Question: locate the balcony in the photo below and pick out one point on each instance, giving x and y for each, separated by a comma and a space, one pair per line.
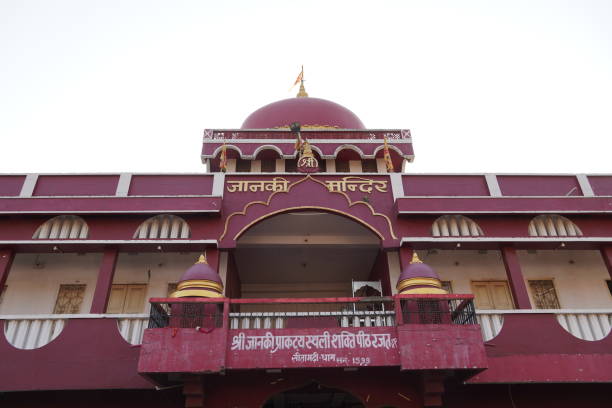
422, 333
211, 335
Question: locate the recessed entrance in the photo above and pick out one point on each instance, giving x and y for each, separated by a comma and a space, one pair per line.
314, 395
305, 254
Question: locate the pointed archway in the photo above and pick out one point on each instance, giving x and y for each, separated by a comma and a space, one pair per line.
314, 395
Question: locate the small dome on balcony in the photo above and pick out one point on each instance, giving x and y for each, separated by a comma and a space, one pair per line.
200, 280
419, 278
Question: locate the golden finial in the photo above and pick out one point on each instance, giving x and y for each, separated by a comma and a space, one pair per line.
302, 92
415, 258
202, 259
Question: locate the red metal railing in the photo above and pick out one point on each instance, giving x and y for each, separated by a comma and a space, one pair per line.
290, 313
228, 134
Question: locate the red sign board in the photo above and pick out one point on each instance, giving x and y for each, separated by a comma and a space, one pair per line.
342, 347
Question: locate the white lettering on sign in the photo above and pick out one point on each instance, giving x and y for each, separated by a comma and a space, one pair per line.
344, 340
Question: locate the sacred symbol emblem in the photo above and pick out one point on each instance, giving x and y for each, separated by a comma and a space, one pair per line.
307, 164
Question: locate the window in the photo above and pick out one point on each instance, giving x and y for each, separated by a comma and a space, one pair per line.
544, 294
553, 226
62, 227
243, 166
163, 227
127, 298
369, 166
291, 165
342, 166
268, 165
492, 295
69, 299
322, 165
455, 226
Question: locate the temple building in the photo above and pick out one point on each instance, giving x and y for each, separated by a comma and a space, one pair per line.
306, 266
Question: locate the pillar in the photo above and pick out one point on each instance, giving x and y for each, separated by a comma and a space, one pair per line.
515, 278
606, 253
433, 388
105, 280
193, 391
6, 260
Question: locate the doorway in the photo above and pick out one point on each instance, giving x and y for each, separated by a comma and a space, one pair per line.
314, 395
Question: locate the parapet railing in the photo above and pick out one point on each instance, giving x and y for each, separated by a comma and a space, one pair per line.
29, 332
290, 313
435, 309
585, 324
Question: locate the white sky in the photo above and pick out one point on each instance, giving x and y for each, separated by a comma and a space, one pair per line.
484, 86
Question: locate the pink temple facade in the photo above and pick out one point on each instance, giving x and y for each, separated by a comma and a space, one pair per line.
331, 276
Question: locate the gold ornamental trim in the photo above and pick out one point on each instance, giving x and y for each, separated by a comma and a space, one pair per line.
308, 177
404, 283
199, 284
424, 291
196, 292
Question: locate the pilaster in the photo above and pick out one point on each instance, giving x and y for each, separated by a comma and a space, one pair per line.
105, 280
6, 260
515, 278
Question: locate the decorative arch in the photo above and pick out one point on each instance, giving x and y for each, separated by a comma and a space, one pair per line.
314, 388
62, 227
306, 208
552, 225
455, 226
164, 226
268, 147
228, 147
304, 196
391, 148
349, 147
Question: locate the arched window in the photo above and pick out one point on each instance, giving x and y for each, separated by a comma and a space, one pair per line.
164, 226
455, 226
553, 226
62, 227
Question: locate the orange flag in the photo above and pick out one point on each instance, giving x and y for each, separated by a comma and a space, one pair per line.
299, 78
387, 157
223, 158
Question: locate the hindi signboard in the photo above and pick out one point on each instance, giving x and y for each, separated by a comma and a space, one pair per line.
346, 347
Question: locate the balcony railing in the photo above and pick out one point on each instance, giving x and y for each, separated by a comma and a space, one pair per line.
437, 309
587, 324
34, 331
312, 312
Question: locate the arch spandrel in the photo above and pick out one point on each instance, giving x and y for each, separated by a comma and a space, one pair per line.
367, 201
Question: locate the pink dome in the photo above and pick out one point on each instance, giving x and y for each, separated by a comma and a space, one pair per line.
306, 111
200, 271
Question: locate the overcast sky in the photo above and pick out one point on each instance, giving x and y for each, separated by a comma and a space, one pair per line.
484, 86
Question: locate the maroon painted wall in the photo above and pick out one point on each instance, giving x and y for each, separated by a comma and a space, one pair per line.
380, 271
76, 185
527, 396
539, 185
87, 354
445, 185
171, 185
10, 186
601, 185
168, 398
224, 391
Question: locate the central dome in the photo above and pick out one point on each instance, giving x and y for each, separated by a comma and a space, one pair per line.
308, 112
